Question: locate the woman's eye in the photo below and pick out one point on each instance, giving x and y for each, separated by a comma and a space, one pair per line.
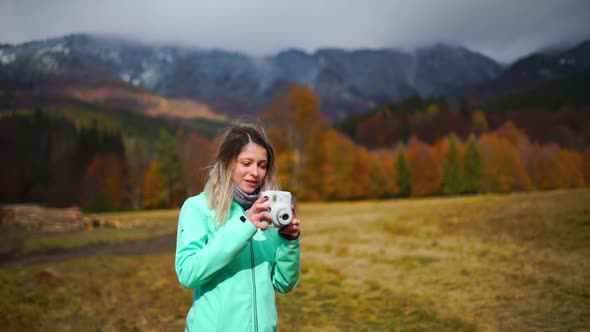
262, 166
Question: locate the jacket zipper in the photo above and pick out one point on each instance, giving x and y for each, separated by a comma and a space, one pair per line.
253, 286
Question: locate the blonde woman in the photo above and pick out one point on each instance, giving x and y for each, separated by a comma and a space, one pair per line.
225, 249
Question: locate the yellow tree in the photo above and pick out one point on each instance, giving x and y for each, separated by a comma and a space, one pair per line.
383, 181
286, 169
331, 177
153, 189
479, 122
316, 167
293, 119
342, 152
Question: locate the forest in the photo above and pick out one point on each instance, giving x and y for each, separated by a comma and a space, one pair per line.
77, 156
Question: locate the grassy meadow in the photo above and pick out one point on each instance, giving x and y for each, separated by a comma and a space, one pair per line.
480, 263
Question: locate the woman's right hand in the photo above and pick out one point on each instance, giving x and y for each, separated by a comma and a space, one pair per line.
258, 214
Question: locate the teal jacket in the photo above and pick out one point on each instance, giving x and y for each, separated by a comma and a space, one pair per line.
234, 269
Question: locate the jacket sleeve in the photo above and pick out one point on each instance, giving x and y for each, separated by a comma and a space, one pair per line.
287, 268
199, 256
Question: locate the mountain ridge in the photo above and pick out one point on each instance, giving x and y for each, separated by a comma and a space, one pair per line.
234, 83
217, 77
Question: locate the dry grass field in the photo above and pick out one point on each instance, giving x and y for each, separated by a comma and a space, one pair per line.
481, 263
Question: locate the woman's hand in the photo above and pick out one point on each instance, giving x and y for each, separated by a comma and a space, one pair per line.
258, 214
292, 230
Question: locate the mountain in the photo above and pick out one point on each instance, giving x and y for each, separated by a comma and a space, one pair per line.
537, 69
235, 83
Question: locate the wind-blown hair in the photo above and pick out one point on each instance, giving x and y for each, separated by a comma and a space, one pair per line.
219, 186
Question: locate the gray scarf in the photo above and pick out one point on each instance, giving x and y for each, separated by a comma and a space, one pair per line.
244, 199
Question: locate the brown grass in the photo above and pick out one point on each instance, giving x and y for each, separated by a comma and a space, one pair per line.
516, 262
484, 263
136, 225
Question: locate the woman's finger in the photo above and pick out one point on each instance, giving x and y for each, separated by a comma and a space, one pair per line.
257, 209
261, 200
263, 216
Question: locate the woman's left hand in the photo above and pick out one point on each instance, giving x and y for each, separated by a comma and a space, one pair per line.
292, 229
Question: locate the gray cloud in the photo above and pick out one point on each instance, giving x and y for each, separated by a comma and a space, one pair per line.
503, 29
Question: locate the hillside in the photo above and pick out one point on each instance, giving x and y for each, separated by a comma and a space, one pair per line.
547, 96
536, 70
234, 83
557, 112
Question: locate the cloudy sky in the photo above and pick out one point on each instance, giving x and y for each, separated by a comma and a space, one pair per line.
502, 29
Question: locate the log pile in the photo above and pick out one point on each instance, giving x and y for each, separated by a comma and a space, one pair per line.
38, 218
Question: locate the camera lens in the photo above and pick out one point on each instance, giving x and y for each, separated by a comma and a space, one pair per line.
285, 216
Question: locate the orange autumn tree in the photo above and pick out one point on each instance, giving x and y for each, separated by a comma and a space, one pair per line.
341, 151
153, 189
360, 180
502, 168
425, 172
572, 168
295, 127
556, 168
586, 166
196, 154
104, 187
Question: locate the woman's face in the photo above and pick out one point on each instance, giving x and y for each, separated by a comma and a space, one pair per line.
251, 167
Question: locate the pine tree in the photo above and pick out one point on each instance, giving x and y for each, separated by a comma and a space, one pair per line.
404, 177
452, 182
473, 166
170, 170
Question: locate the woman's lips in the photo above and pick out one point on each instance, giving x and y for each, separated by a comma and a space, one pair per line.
252, 183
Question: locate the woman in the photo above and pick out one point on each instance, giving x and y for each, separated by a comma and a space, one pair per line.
225, 249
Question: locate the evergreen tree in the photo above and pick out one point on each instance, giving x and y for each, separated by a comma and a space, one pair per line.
452, 182
378, 181
170, 170
473, 166
404, 177
464, 108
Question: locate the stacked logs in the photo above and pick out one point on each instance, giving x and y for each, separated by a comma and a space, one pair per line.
38, 218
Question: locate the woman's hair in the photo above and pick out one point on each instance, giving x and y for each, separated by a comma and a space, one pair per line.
219, 186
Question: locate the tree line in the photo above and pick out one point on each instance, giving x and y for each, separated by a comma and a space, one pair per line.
318, 162
58, 163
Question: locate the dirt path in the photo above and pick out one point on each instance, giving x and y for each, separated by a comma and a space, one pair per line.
153, 245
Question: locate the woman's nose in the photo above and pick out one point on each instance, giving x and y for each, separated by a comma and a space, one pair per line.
254, 170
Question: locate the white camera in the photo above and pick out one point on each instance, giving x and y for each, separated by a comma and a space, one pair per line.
280, 207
